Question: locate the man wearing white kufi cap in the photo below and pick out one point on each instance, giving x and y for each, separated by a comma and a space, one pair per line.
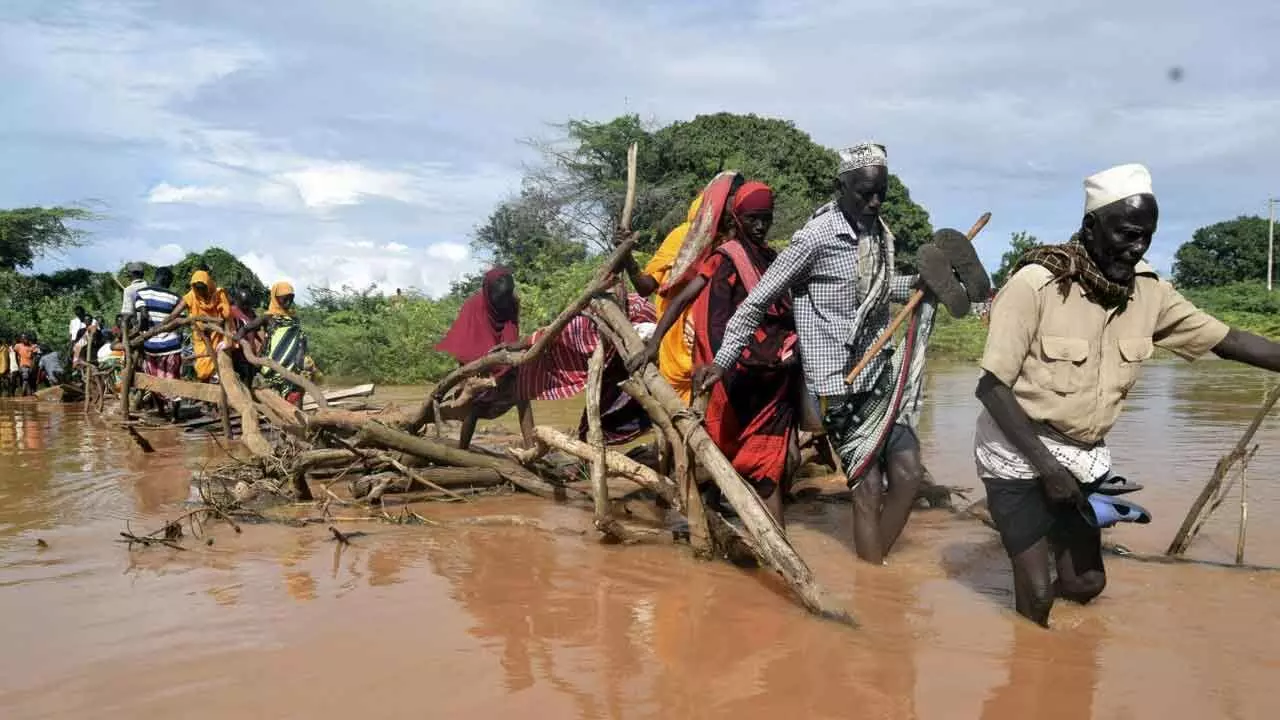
1068, 335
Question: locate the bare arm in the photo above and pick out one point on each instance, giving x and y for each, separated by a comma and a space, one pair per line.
670, 314
1250, 349
250, 326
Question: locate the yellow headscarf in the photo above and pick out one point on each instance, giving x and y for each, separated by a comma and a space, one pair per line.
275, 308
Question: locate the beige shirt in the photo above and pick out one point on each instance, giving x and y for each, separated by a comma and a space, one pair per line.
1071, 362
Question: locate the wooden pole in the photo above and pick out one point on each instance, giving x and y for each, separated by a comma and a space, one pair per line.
916, 298
772, 543
1244, 510
1182, 540
595, 435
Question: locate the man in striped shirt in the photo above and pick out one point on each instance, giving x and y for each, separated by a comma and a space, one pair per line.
162, 353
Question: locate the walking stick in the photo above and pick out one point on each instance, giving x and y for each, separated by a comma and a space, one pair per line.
904, 313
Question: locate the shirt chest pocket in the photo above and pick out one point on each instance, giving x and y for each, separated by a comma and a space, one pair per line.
1133, 351
1064, 360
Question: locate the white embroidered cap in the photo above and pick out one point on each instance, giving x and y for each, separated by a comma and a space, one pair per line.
862, 155
1114, 184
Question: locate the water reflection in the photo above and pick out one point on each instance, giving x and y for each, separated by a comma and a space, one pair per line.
1047, 676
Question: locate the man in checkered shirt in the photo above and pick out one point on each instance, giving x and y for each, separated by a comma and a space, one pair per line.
826, 268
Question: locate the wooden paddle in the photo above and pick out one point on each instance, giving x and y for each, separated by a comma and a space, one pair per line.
906, 311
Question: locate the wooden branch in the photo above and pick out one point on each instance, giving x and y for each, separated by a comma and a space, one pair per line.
238, 397
1244, 507
773, 545
1182, 540
600, 283
204, 392
595, 438
373, 432
301, 381
629, 204
130, 366
615, 462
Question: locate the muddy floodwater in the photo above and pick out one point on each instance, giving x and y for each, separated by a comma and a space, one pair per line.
523, 622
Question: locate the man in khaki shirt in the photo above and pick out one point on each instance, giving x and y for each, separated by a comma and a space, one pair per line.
1068, 335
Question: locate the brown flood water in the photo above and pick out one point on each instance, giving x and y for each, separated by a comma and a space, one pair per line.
481, 622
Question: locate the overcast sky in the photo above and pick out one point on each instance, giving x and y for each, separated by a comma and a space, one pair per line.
333, 142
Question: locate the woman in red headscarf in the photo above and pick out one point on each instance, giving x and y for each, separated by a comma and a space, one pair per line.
488, 320
752, 415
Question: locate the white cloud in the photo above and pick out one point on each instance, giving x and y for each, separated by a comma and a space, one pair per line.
347, 183
395, 247
166, 193
166, 254
453, 252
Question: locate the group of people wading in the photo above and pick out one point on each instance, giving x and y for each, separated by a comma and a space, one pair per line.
229, 320
767, 339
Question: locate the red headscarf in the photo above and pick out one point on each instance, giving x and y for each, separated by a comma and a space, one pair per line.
753, 196
481, 326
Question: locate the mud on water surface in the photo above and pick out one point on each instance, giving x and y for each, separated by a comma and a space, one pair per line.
482, 621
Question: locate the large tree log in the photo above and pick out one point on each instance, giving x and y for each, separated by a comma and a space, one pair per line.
375, 433
595, 438
239, 397
773, 545
203, 392
1191, 523
601, 282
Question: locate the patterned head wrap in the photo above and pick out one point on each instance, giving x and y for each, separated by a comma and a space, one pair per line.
867, 154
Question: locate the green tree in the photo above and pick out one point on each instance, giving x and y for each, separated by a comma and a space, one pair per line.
1019, 243
27, 233
228, 272
585, 176
1226, 252
528, 235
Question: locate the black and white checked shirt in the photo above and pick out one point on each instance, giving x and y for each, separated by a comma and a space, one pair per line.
820, 268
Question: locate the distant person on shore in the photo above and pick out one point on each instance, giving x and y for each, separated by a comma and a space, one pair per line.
6, 386
28, 354
51, 367
79, 321
1069, 333
205, 299
137, 281
752, 414
488, 320
285, 342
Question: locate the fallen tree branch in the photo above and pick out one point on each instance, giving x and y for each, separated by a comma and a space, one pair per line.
239, 397
773, 545
317, 395
373, 432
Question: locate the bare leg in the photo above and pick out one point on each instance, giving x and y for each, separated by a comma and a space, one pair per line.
905, 474
866, 517
468, 430
1081, 575
1032, 590
525, 410
774, 505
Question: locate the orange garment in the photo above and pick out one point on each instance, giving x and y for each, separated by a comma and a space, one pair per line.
204, 342
26, 354
675, 353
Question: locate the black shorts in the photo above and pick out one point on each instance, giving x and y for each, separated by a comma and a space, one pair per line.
1023, 515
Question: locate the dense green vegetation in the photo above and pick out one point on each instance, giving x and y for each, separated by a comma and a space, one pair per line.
551, 234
